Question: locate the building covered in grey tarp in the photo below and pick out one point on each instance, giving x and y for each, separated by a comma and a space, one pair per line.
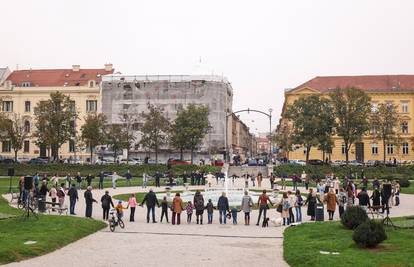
131, 94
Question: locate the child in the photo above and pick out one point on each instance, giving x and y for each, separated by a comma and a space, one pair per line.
189, 209
210, 208
120, 210
164, 209
234, 211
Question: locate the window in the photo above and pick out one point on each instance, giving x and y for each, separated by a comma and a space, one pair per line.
71, 145
26, 106
91, 105
26, 146
404, 127
26, 84
91, 83
343, 149
404, 107
6, 146
27, 126
374, 149
72, 106
304, 150
405, 148
8, 106
373, 129
390, 149
374, 107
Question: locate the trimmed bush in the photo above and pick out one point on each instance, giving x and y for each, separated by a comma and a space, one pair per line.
404, 182
353, 217
369, 234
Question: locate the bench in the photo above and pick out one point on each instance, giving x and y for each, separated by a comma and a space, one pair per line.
54, 206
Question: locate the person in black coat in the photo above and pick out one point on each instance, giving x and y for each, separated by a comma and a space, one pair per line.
223, 207
89, 201
101, 180
157, 179
363, 198
150, 201
73, 197
88, 179
106, 201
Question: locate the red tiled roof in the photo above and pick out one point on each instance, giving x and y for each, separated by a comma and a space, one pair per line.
57, 77
373, 83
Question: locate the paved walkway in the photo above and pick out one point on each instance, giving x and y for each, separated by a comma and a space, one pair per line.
142, 244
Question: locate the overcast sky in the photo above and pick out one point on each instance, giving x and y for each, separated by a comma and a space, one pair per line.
262, 47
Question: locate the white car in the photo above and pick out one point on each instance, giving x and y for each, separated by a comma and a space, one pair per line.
129, 162
338, 163
298, 162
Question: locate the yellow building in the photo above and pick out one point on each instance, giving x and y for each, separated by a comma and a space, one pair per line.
23, 89
396, 89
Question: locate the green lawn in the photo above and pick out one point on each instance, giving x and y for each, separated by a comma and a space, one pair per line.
302, 245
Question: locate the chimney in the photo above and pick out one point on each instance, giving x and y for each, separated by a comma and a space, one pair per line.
75, 67
108, 67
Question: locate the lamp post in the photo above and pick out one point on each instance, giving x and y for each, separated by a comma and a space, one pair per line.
270, 133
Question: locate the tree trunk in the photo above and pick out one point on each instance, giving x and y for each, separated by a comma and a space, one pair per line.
192, 153
308, 148
181, 154
346, 153
90, 148
384, 148
156, 154
323, 155
15, 156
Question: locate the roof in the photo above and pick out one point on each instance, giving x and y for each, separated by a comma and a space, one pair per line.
57, 77
3, 74
372, 83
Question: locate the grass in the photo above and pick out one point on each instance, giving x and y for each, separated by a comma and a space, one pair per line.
302, 245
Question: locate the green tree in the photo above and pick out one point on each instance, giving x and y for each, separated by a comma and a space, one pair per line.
129, 123
189, 128
55, 121
351, 108
115, 138
155, 129
384, 122
283, 139
12, 129
93, 131
311, 117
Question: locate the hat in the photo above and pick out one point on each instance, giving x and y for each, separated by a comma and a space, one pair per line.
119, 201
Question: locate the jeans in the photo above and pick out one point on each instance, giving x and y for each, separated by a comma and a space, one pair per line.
263, 209
298, 214
210, 218
295, 186
235, 218
164, 213
157, 182
105, 213
222, 216
132, 215
151, 209
144, 184
291, 217
100, 185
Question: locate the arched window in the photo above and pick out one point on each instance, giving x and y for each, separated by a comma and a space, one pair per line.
91, 83
404, 127
27, 126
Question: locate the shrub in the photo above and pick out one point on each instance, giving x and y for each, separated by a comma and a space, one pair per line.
404, 182
369, 234
353, 216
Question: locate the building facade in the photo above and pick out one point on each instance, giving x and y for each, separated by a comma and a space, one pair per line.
22, 90
131, 94
396, 89
241, 141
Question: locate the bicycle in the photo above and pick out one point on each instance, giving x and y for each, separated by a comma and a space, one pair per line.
114, 221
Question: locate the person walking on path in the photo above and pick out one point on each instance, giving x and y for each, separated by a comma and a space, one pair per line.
101, 180
342, 200
262, 203
132, 204
272, 181
285, 209
128, 177
144, 180
61, 195
246, 206
73, 197
177, 208
311, 200
164, 209
78, 179
305, 179
210, 209
106, 202
295, 179
259, 179
115, 177
68, 181
331, 201
89, 201
199, 206
223, 207
298, 206
157, 179
150, 201
88, 179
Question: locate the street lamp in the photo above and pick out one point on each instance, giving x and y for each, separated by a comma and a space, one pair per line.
270, 133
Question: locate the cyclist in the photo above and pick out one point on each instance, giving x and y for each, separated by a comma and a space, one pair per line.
120, 210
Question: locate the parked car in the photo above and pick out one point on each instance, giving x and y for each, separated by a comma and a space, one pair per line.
338, 163
178, 162
8, 161
355, 163
37, 161
218, 162
129, 162
373, 163
315, 162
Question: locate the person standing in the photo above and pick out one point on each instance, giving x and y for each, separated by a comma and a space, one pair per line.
259, 179
73, 197
132, 204
88, 179
292, 200
304, 179
397, 192
376, 199
298, 206
185, 177
336, 184
272, 181
61, 195
177, 206
246, 206
53, 196
144, 180
364, 199
101, 180
164, 209
223, 207
128, 177
78, 178
150, 201
262, 203
89, 201
285, 209
43, 193
68, 181
311, 202
157, 179
294, 182
36, 180
106, 202
199, 206
210, 209
331, 201
253, 179
114, 179
54, 180
342, 201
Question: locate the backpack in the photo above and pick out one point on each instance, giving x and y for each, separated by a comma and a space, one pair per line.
300, 201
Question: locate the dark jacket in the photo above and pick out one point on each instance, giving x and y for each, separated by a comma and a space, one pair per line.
376, 198
209, 207
73, 193
363, 199
89, 179
198, 201
223, 203
88, 197
164, 205
128, 175
101, 177
106, 201
43, 190
150, 200
78, 178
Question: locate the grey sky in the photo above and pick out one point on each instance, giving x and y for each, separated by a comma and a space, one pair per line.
261, 46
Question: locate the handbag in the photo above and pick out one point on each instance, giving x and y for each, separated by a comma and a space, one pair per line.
279, 208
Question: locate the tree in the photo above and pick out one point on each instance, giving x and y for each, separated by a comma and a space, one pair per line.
311, 118
384, 121
351, 107
12, 129
115, 138
189, 128
93, 131
55, 122
155, 129
283, 139
128, 121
